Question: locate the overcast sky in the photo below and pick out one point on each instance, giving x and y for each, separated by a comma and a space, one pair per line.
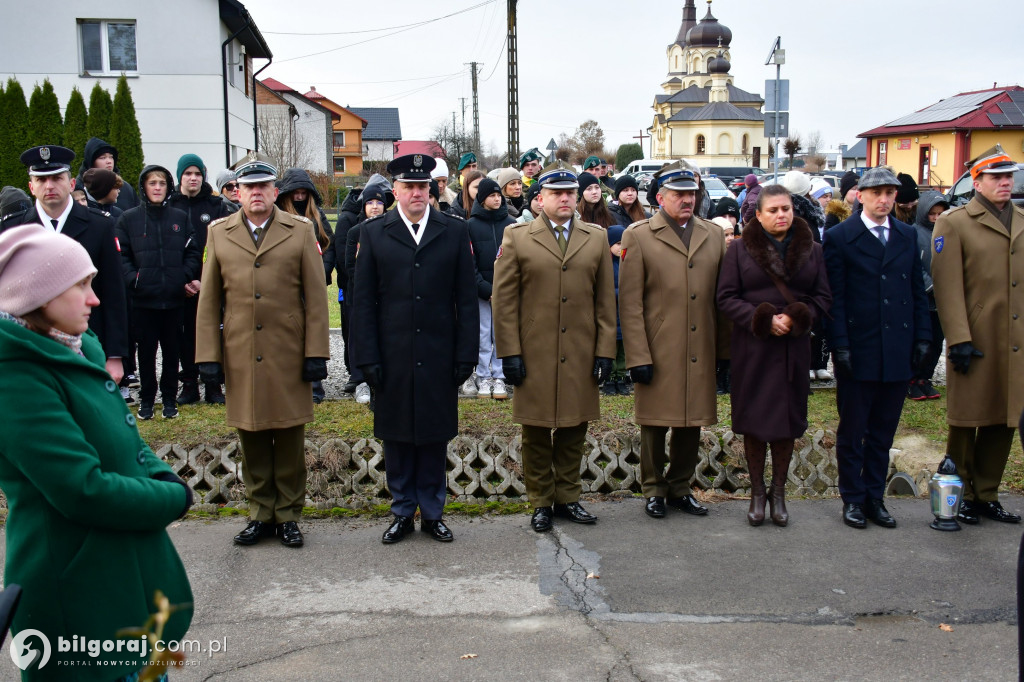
851, 66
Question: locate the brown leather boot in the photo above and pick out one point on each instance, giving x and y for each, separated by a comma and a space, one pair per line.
782, 453
755, 451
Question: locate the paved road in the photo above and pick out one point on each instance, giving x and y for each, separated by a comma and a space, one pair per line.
679, 599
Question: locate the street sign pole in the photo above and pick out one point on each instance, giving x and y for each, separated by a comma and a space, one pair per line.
777, 57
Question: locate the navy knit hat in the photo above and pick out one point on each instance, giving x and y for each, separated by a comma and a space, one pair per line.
486, 188
586, 180
190, 160
848, 182
623, 183
532, 193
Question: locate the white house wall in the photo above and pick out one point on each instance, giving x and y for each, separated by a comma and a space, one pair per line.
315, 131
178, 92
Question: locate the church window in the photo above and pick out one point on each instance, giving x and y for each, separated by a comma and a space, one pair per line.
746, 143
702, 144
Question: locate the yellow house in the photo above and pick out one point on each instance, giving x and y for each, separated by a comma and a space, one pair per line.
934, 144
348, 136
701, 115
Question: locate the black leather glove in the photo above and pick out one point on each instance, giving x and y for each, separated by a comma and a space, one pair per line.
602, 369
373, 375
841, 362
642, 374
922, 349
174, 478
960, 355
211, 372
463, 370
514, 369
314, 369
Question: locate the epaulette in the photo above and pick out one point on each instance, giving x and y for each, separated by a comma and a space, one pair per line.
218, 221
96, 211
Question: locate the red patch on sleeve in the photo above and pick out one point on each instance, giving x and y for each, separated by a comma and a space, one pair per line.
318, 249
622, 256
117, 244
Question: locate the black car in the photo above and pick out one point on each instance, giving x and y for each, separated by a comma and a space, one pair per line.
731, 174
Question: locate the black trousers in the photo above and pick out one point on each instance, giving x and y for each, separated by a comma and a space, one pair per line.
187, 341
354, 373
417, 478
932, 361
128, 362
154, 327
869, 413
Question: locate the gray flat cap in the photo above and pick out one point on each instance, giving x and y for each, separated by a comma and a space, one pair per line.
878, 177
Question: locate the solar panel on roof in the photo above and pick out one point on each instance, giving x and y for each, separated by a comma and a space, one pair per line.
1016, 95
946, 110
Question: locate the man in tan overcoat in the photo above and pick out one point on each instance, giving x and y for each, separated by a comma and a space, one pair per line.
668, 274
554, 329
263, 268
978, 270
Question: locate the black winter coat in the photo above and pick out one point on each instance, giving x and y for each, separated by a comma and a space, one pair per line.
297, 178
93, 148
486, 228
620, 215
159, 255
351, 212
414, 313
201, 210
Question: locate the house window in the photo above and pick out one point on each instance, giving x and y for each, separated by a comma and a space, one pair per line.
745, 143
339, 141
702, 145
339, 164
108, 47
883, 146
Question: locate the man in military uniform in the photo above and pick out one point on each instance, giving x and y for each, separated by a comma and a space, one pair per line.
554, 329
49, 180
599, 169
415, 337
195, 197
668, 274
530, 165
978, 274
263, 268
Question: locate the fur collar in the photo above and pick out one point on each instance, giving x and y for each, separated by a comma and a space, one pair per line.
768, 258
838, 208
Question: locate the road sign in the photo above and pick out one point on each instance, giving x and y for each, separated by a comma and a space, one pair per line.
551, 145
781, 103
769, 123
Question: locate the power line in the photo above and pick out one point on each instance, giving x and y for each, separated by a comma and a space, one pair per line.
397, 80
498, 59
375, 30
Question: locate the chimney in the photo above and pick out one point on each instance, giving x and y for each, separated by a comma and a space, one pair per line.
312, 88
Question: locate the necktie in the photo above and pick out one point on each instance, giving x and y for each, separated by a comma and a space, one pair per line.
880, 231
416, 229
562, 243
54, 222
256, 234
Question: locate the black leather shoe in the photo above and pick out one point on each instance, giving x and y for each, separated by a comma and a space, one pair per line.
853, 516
968, 513
875, 511
437, 530
254, 532
575, 512
655, 507
688, 504
541, 521
290, 534
214, 395
995, 511
349, 387
399, 528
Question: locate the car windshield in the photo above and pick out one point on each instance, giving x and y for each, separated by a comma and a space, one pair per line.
715, 184
963, 190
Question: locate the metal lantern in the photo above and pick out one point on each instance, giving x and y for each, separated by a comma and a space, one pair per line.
947, 490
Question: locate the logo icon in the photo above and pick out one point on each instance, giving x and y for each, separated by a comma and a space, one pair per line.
24, 655
939, 241
44, 153
205, 217
950, 500
417, 160
176, 227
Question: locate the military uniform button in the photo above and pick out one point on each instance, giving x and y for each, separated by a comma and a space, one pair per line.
259, 358
419, 298
564, 268
690, 264
883, 278
417, 330
1015, 316
258, 295
564, 299
563, 359
129, 419
693, 327
110, 386
1013, 283
256, 264
1016, 348
693, 296
259, 327
693, 359
419, 364
416, 265
885, 301
905, 325
563, 330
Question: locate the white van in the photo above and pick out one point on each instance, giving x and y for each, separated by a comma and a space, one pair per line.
642, 166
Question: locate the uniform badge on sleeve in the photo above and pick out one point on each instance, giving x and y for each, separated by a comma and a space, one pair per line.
622, 255
939, 241
498, 255
117, 243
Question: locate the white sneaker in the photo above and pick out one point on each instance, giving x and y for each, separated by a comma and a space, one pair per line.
814, 375
824, 375
498, 390
469, 386
484, 387
363, 394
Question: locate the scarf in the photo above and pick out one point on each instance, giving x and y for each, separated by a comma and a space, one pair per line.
72, 341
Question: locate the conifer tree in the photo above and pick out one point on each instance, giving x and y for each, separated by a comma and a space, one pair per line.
100, 106
125, 135
75, 124
14, 132
45, 126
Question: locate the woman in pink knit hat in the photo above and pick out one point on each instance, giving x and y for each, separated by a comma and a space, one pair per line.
89, 501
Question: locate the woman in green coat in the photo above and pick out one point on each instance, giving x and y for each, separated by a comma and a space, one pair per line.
88, 501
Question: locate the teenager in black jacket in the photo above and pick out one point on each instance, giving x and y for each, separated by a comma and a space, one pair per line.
159, 257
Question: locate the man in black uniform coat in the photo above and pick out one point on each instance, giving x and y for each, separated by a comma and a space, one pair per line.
415, 335
49, 171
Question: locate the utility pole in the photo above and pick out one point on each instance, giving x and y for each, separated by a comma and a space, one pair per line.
476, 110
513, 87
463, 100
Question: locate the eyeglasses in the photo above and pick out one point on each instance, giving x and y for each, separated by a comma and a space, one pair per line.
231, 186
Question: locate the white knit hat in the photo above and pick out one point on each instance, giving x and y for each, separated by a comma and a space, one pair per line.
440, 170
797, 182
37, 265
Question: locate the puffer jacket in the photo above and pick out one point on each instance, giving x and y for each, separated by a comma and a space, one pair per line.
621, 216
201, 210
486, 229
159, 253
350, 214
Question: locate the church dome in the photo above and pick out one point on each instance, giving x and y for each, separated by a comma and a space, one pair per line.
719, 64
709, 33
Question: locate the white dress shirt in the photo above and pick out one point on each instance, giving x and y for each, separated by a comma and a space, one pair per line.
417, 236
873, 226
61, 219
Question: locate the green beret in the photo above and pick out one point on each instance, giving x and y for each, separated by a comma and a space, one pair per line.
528, 156
591, 162
467, 158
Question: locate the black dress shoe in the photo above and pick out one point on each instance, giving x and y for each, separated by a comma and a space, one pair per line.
575, 512
875, 511
399, 528
254, 532
541, 521
968, 513
853, 516
437, 530
995, 511
290, 534
688, 504
349, 387
655, 507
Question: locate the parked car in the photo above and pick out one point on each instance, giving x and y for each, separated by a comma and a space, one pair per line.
642, 166
963, 189
716, 188
729, 174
